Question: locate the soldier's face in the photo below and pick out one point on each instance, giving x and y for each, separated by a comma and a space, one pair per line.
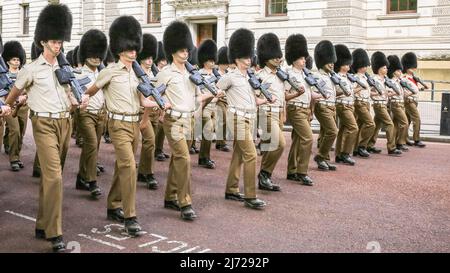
398, 73
345, 68
129, 55
300, 63
411, 71
243, 63
275, 62
181, 56
209, 64
383, 71
147, 63
162, 63
54, 46
362, 70
14, 63
95, 62
328, 67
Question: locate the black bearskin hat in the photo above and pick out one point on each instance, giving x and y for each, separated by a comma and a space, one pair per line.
35, 51
149, 47
54, 23
360, 59
241, 45
394, 65
295, 48
309, 62
222, 55
125, 34
76, 56
268, 48
207, 51
109, 57
409, 60
324, 53
193, 56
13, 49
177, 36
93, 44
378, 60
161, 56
344, 57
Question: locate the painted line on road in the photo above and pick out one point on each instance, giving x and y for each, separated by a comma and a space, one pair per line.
21, 215
101, 241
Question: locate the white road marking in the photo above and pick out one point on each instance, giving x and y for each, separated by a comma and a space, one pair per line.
101, 241
21, 215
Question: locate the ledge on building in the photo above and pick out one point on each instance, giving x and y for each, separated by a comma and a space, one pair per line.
272, 19
398, 16
152, 25
23, 35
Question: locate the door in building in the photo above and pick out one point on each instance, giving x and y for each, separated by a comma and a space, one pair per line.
206, 31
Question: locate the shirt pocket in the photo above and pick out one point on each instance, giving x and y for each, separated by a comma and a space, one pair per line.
44, 80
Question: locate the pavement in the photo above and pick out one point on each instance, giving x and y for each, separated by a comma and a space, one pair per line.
383, 204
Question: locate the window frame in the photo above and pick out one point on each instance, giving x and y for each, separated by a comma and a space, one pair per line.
268, 14
25, 20
151, 12
389, 11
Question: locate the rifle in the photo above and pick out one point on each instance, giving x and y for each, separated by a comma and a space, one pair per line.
318, 84
391, 84
6, 82
352, 78
199, 80
256, 85
339, 82
147, 88
417, 79
408, 85
216, 74
155, 69
65, 75
100, 67
375, 84
291, 80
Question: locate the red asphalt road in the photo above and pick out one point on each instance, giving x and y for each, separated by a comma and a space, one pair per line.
382, 204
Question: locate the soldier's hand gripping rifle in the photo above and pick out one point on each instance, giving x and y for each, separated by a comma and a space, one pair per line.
375, 84
341, 83
408, 85
391, 84
282, 75
313, 82
417, 79
147, 88
257, 85
353, 79
65, 75
199, 80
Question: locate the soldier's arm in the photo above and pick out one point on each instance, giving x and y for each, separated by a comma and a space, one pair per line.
92, 91
13, 95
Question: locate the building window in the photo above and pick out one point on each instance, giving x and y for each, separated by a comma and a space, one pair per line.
154, 11
25, 19
402, 6
276, 7
1, 19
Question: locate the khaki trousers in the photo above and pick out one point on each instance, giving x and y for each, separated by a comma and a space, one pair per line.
412, 113
91, 127
382, 118
272, 139
125, 138
348, 129
326, 115
244, 153
179, 133
302, 139
400, 122
146, 162
365, 123
221, 119
208, 123
52, 137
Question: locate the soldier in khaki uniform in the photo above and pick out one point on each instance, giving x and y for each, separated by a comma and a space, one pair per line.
222, 105
396, 103
271, 116
382, 117
241, 116
207, 58
325, 108
148, 116
92, 51
123, 101
348, 129
299, 111
362, 103
185, 99
409, 63
50, 104
15, 58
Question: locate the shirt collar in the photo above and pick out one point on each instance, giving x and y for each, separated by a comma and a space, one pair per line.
42, 60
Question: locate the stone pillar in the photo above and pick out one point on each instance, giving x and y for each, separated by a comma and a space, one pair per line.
220, 31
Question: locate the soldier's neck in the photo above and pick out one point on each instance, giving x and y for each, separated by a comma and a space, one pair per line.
13, 69
179, 65
49, 57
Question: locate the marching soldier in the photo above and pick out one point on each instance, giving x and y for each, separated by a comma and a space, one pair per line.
222, 105
382, 117
193, 59
299, 111
92, 52
325, 108
119, 84
50, 104
14, 57
396, 103
161, 63
348, 129
271, 116
207, 58
241, 116
409, 62
363, 117
148, 116
108, 60
184, 98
